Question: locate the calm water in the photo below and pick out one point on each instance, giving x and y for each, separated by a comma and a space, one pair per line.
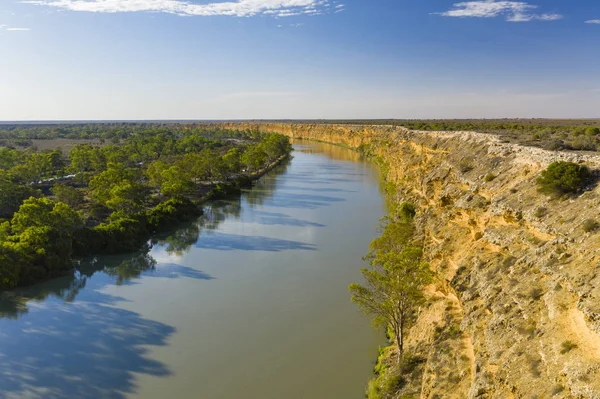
249, 301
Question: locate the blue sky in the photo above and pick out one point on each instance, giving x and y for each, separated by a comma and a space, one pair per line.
241, 59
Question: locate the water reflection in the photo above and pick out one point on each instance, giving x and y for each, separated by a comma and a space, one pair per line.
280, 219
89, 348
94, 334
124, 269
228, 242
84, 350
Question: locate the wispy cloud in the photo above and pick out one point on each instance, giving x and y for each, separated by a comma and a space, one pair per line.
513, 11
239, 8
11, 29
593, 21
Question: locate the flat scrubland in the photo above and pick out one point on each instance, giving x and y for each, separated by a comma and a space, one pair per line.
550, 134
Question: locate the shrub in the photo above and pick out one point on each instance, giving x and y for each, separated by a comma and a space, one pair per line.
557, 389
407, 211
564, 178
589, 225
567, 346
584, 143
536, 293
466, 165
592, 131
540, 212
489, 177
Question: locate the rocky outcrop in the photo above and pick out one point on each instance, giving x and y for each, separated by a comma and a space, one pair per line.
516, 311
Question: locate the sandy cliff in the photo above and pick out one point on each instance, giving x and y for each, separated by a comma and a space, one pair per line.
516, 310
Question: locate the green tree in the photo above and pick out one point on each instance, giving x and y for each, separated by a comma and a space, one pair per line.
102, 184
233, 161
176, 182
12, 195
126, 198
392, 292
254, 158
275, 146
68, 194
33, 170
43, 212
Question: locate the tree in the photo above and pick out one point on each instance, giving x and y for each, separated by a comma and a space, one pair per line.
43, 212
392, 292
176, 182
102, 184
33, 170
126, 198
275, 145
233, 161
12, 195
68, 195
254, 157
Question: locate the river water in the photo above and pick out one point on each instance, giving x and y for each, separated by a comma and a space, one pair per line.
249, 301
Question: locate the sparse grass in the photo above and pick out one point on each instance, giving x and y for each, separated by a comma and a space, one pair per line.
567, 346
534, 367
536, 293
557, 389
589, 225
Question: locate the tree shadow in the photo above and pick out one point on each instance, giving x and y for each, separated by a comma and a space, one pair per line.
78, 350
106, 270
302, 201
316, 189
228, 242
280, 219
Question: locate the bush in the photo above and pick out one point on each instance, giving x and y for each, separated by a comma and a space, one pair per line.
540, 212
466, 165
489, 177
407, 211
536, 293
589, 225
564, 178
567, 346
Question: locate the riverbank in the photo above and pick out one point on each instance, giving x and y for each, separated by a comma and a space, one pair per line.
273, 263
121, 195
517, 271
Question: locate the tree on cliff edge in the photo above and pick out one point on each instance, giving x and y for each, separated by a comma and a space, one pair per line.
393, 290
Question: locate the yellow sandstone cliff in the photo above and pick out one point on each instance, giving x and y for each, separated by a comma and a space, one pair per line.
516, 310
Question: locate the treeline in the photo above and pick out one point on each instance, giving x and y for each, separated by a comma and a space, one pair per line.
108, 199
22, 134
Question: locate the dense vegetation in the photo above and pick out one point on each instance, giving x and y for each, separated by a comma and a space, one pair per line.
109, 198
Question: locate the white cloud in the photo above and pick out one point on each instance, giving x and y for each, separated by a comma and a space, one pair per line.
238, 8
9, 29
593, 21
514, 11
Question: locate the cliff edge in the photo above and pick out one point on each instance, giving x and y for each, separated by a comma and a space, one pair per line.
515, 312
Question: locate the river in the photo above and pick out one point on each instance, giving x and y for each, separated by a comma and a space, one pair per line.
249, 301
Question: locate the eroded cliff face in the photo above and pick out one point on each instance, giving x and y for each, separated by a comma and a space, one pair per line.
516, 310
